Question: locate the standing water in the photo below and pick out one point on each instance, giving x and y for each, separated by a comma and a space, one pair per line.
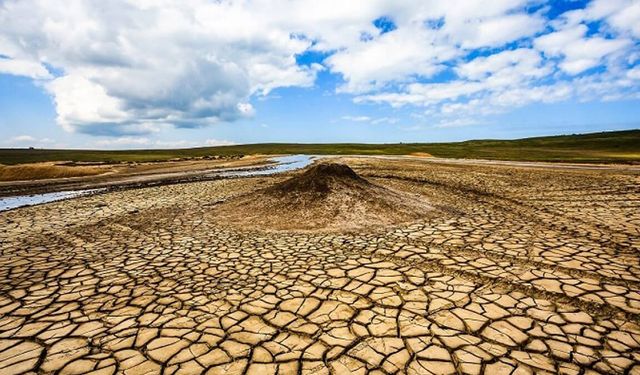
8, 203
282, 164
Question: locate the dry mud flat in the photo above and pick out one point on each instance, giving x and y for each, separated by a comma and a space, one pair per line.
521, 271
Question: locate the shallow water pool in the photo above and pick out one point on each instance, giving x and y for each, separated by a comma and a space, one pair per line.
282, 164
8, 203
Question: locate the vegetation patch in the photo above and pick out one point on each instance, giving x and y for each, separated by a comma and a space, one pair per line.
604, 147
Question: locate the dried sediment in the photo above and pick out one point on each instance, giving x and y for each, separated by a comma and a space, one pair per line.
327, 197
535, 271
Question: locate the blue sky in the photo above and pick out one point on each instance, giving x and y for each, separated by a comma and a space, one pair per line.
127, 74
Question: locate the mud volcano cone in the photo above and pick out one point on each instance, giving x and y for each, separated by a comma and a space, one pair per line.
321, 179
326, 197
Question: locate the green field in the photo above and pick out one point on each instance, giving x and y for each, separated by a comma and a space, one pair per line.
605, 147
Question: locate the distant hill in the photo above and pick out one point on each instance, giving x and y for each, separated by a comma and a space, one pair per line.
603, 147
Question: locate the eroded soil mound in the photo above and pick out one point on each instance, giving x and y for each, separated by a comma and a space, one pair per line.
327, 197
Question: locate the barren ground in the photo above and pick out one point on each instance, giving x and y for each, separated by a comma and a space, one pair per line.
523, 270
35, 178
327, 197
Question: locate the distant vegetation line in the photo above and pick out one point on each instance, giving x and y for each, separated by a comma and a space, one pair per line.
607, 147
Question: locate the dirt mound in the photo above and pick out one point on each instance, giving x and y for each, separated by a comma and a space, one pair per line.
327, 197
320, 179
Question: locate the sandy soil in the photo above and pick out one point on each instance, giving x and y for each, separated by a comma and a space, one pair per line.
525, 270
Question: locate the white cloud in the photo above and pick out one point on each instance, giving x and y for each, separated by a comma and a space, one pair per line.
145, 142
622, 16
371, 120
555, 42
124, 141
81, 102
127, 68
26, 140
526, 60
395, 99
626, 18
415, 50
521, 96
174, 144
357, 118
25, 68
634, 73
385, 120
457, 123
394, 56
511, 78
23, 138
218, 142
579, 52
499, 30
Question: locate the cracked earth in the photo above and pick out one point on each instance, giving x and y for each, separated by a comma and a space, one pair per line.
523, 271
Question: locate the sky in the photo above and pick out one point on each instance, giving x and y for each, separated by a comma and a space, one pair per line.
184, 73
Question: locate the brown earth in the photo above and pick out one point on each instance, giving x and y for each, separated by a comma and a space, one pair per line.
36, 178
421, 154
526, 270
38, 171
327, 197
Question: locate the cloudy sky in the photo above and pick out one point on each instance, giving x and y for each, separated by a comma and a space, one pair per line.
182, 73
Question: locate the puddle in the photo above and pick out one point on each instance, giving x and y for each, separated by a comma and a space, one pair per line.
9, 203
283, 164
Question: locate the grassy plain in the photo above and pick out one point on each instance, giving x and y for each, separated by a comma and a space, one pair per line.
604, 147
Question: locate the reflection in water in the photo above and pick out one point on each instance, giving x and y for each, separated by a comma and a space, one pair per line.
30, 200
282, 164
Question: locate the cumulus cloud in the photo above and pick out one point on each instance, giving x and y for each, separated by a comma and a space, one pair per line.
494, 74
146, 142
127, 68
505, 66
385, 120
123, 141
371, 120
217, 142
456, 123
23, 68
496, 31
394, 56
587, 54
622, 16
26, 140
356, 118
22, 138
578, 51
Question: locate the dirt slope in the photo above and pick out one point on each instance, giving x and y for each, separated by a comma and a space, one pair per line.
327, 197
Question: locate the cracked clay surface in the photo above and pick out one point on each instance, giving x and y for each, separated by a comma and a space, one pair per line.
523, 271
